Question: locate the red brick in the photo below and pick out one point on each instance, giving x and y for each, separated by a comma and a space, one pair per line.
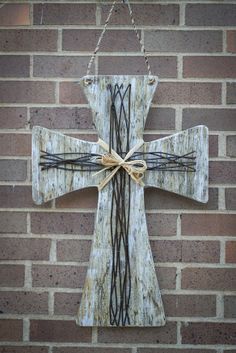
188, 93
160, 199
91, 350
58, 276
73, 250
230, 306
160, 119
64, 14
58, 331
11, 330
231, 41
185, 251
85, 198
165, 334
189, 305
223, 279
71, 93
28, 40
23, 349
215, 119
147, 14
211, 67
166, 277
231, 146
113, 40
62, 223
15, 144
66, 303
135, 65
210, 15
222, 172
15, 15
13, 118
60, 66
175, 350
230, 198
24, 249
61, 118
161, 224
183, 41
13, 170
14, 66
230, 251
208, 333
23, 303
12, 275
209, 224
231, 93
13, 222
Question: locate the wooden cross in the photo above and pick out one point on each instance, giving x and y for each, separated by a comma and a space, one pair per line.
121, 287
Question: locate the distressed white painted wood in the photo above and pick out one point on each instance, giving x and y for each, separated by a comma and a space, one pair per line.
146, 308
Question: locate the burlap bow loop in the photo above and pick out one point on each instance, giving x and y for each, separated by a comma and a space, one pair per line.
135, 168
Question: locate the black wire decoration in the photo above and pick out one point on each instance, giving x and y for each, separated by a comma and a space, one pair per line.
120, 287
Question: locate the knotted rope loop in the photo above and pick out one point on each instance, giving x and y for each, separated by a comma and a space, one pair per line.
135, 168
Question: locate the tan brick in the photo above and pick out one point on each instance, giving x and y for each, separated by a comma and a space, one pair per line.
23, 349
13, 118
209, 224
64, 14
222, 172
11, 330
150, 14
66, 303
24, 249
12, 275
230, 198
28, 40
210, 15
27, 92
231, 146
189, 305
166, 334
188, 93
62, 223
85, 198
183, 41
58, 331
208, 333
230, 306
14, 65
223, 279
60, 66
160, 199
13, 170
215, 119
166, 277
58, 276
71, 93
210, 67
134, 65
185, 251
15, 15
73, 250
61, 118
230, 251
161, 224
13, 222
23, 303
15, 145
231, 93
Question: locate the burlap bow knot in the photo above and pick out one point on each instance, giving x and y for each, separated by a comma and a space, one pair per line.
134, 168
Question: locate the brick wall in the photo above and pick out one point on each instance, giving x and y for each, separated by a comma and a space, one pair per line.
44, 50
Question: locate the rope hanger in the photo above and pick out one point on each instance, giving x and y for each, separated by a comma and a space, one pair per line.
143, 50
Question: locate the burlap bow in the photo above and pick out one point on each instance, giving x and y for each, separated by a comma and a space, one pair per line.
134, 168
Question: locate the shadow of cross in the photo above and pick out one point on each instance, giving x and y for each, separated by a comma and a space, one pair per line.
121, 287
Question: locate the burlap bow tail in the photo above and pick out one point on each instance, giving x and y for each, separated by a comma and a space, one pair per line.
135, 168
